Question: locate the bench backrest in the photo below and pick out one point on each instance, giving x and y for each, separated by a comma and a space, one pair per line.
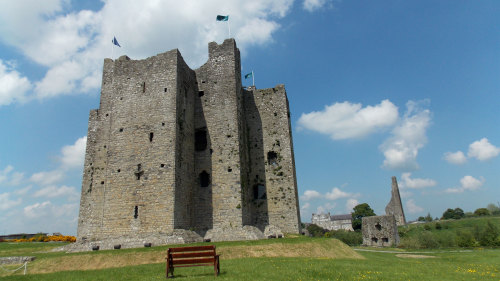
192, 255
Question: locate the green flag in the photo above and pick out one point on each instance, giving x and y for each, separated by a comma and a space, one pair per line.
222, 18
249, 75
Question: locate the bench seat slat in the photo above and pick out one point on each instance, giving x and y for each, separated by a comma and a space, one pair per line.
191, 249
193, 254
190, 265
193, 261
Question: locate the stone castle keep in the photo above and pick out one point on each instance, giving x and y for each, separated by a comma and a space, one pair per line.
178, 155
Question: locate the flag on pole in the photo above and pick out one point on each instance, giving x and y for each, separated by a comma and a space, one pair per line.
222, 18
115, 42
249, 75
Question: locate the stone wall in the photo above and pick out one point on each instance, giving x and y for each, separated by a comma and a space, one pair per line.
380, 231
272, 159
395, 206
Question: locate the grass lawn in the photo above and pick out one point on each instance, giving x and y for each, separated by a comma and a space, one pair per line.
275, 259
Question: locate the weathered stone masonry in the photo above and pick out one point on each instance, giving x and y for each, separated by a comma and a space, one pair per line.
173, 149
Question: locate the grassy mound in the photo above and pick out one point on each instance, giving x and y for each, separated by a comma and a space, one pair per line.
289, 247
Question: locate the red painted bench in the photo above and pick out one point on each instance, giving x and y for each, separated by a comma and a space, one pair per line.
192, 256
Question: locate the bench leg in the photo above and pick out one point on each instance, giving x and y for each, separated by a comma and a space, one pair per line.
169, 269
217, 266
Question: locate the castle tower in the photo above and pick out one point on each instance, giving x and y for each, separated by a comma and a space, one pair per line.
175, 154
395, 207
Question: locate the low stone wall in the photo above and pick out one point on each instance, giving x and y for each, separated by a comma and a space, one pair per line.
16, 260
179, 236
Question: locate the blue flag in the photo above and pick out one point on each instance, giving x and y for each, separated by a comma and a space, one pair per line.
222, 18
249, 75
115, 42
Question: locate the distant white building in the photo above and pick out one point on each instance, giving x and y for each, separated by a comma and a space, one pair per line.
335, 222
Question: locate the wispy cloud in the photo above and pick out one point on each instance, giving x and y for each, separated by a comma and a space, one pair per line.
416, 183
408, 137
412, 207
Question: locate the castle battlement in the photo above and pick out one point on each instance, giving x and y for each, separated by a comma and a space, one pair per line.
179, 155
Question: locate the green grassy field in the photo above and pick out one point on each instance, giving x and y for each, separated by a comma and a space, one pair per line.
275, 259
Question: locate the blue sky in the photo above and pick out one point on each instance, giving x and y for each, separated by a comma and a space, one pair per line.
376, 88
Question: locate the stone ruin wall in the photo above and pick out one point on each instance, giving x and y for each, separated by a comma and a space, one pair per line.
380, 231
142, 169
395, 206
272, 160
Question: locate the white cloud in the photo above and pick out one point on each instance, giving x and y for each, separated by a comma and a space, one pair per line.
38, 210
456, 158
310, 194
305, 206
16, 178
337, 194
13, 87
347, 120
412, 207
350, 204
9, 178
401, 149
72, 45
5, 173
320, 210
6, 203
73, 155
313, 5
334, 194
54, 191
47, 178
483, 150
23, 191
416, 183
467, 183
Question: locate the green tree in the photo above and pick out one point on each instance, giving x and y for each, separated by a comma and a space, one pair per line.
481, 212
315, 230
489, 235
428, 218
360, 211
448, 214
494, 209
457, 213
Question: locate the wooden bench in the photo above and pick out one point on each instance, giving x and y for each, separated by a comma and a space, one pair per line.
192, 256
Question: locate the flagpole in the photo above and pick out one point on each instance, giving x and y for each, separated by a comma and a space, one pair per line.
253, 79
229, 28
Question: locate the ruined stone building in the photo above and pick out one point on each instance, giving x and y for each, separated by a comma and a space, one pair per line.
334, 222
176, 155
382, 231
